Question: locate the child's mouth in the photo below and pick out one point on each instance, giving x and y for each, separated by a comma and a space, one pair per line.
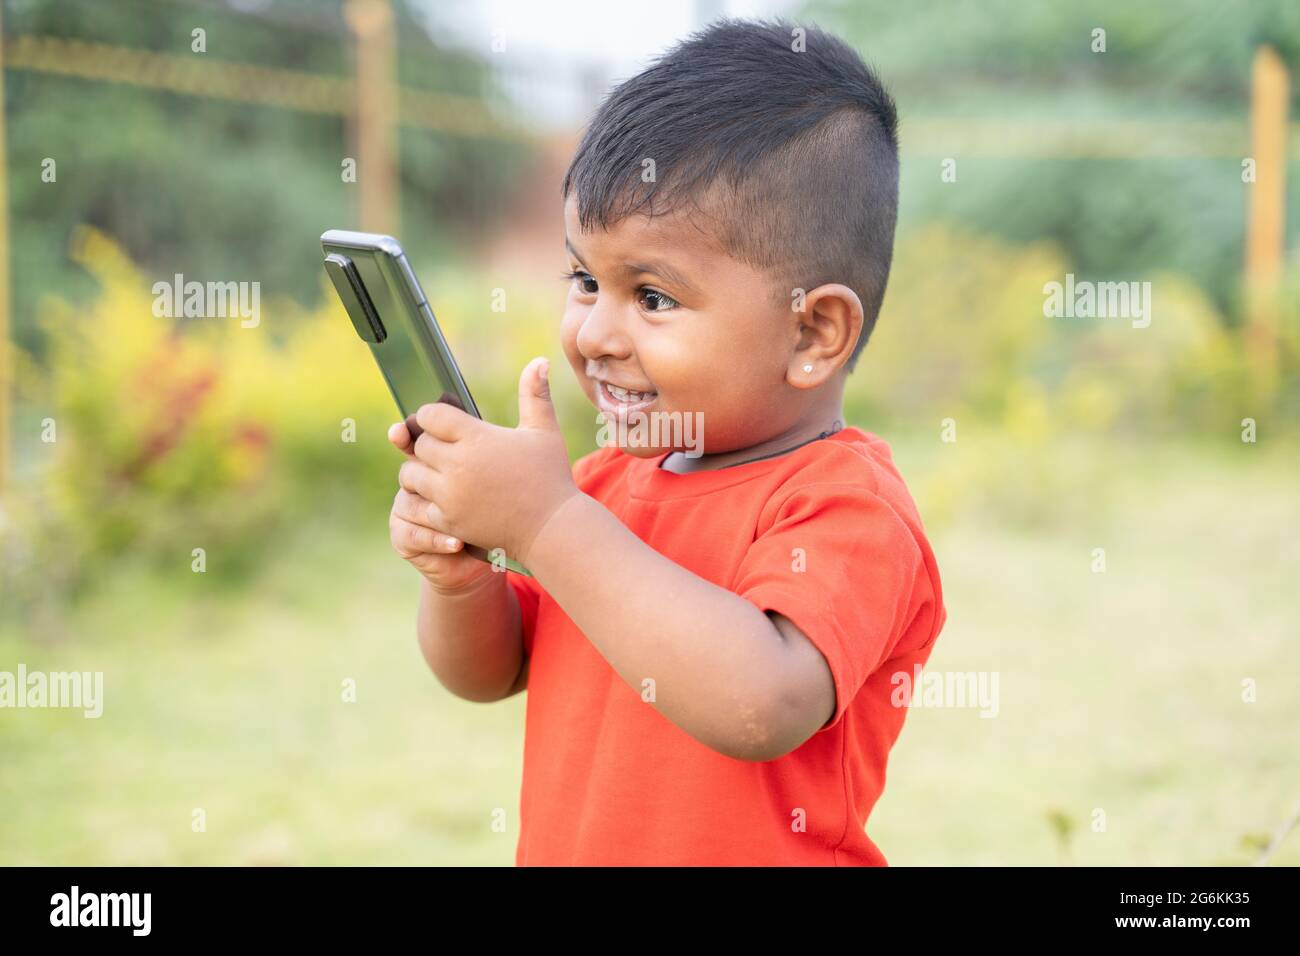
620, 401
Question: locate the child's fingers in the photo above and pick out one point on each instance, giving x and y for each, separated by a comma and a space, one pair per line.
410, 539
401, 438
411, 507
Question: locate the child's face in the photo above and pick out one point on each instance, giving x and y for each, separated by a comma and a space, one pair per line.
658, 307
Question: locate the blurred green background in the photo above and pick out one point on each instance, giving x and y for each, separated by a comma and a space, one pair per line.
1121, 690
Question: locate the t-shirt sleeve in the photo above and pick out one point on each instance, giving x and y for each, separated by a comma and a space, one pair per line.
841, 564
527, 590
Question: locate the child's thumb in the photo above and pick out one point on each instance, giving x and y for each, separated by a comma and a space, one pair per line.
535, 407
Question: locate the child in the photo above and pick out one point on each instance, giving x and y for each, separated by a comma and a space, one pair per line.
708, 639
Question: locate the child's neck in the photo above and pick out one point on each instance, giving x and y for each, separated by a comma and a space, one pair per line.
808, 430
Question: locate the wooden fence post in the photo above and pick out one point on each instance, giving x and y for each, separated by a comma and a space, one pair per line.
6, 353
1266, 215
374, 123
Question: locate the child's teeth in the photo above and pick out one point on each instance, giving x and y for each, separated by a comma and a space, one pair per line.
624, 395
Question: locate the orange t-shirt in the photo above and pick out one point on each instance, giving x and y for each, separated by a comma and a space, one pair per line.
826, 535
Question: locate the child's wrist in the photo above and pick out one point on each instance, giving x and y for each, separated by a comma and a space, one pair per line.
554, 520
465, 589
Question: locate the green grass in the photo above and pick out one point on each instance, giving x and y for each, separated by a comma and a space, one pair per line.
235, 706
1119, 691
1122, 690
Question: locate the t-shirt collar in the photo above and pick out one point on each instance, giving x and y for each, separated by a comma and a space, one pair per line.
648, 480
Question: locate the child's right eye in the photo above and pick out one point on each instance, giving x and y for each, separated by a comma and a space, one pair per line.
586, 281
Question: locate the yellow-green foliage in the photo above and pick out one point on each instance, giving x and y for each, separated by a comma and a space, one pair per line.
963, 334
175, 434
963, 342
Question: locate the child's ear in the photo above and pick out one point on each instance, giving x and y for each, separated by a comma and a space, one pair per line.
829, 326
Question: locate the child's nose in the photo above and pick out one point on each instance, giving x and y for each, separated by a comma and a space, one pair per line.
603, 335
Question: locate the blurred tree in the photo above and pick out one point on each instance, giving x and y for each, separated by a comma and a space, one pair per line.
1005, 60
215, 189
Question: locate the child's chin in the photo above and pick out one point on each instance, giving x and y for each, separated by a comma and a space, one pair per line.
641, 451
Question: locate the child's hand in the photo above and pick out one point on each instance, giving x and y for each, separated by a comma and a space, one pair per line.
495, 487
438, 556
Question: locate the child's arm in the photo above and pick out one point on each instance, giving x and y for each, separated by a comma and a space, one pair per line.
471, 638
469, 622
747, 685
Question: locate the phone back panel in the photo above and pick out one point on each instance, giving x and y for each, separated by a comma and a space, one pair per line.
413, 357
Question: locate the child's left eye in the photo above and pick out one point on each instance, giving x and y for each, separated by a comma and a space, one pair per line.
657, 301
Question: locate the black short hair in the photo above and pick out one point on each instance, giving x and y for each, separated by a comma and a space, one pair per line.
790, 154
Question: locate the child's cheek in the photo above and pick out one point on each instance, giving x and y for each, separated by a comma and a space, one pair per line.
569, 326
569, 341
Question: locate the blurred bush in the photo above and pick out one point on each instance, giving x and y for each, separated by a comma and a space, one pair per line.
164, 435
1000, 395
963, 334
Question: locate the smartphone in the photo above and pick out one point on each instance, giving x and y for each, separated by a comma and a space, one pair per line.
391, 314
